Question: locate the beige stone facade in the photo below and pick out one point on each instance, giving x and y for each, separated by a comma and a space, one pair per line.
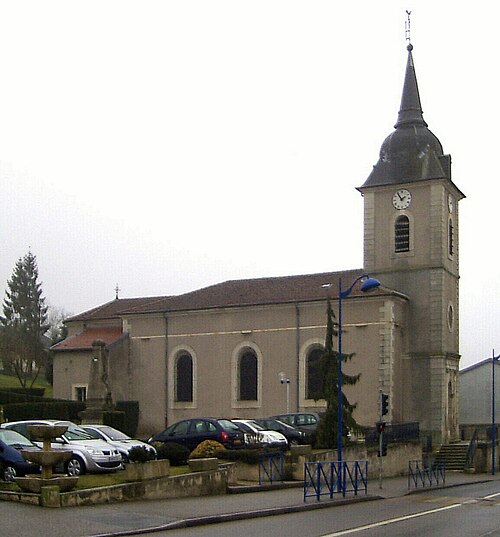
219, 351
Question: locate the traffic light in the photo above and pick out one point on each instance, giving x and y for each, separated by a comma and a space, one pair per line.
383, 448
384, 404
380, 425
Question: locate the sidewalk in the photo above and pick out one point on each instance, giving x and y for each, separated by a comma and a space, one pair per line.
129, 518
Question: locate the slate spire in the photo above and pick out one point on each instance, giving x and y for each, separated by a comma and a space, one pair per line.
411, 152
410, 111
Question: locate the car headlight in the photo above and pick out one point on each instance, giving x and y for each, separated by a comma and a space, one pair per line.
93, 451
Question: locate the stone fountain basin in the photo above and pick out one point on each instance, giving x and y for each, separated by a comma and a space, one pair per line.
46, 458
47, 431
34, 484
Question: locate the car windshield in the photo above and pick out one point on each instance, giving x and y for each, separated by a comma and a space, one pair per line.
14, 439
282, 424
244, 427
255, 425
228, 425
76, 433
93, 434
114, 434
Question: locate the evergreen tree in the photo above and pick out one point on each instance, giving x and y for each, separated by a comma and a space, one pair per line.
328, 364
24, 322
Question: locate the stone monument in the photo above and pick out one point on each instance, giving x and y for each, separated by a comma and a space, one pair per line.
99, 397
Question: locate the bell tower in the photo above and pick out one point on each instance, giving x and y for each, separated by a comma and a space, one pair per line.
411, 231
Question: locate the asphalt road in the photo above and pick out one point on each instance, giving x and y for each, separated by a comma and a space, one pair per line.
466, 511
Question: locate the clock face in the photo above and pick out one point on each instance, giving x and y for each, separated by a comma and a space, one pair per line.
450, 203
401, 199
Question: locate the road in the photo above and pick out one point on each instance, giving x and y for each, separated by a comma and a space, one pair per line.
466, 511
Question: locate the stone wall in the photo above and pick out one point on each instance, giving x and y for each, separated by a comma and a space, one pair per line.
394, 464
187, 485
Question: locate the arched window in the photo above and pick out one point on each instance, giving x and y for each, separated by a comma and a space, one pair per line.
402, 234
248, 376
314, 379
184, 378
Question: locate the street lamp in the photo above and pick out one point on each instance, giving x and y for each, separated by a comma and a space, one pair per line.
493, 424
285, 380
368, 284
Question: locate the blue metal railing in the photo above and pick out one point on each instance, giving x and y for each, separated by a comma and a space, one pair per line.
423, 475
271, 467
334, 477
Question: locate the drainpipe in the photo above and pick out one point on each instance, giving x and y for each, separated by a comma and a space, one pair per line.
297, 356
166, 368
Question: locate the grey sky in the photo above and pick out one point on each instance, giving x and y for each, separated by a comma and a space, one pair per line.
166, 146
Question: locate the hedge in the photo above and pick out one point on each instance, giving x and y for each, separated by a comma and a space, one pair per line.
48, 409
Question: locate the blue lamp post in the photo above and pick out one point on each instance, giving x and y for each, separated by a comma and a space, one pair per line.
368, 284
494, 359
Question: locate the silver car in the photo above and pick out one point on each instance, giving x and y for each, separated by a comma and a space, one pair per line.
257, 434
89, 455
117, 439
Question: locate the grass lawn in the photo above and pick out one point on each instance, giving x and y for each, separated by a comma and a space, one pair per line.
11, 381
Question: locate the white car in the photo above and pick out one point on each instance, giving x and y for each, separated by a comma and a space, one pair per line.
256, 434
117, 439
89, 454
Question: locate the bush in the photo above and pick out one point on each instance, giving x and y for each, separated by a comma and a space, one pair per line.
175, 453
141, 454
115, 419
131, 409
207, 448
249, 456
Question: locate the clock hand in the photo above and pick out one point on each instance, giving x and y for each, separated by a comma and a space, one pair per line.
401, 198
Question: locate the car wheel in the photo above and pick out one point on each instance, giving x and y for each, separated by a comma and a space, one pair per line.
75, 466
9, 473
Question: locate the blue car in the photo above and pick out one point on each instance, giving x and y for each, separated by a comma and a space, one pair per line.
190, 433
12, 463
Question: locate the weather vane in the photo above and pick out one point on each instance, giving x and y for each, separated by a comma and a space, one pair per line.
117, 289
407, 27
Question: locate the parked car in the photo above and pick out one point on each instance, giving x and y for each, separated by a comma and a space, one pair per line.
117, 439
294, 436
190, 433
306, 422
257, 434
12, 462
89, 454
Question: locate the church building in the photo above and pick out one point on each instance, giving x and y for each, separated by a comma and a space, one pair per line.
224, 350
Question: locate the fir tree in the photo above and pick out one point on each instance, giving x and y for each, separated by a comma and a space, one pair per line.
328, 364
24, 322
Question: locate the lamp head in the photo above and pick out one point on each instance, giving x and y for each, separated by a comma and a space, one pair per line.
370, 284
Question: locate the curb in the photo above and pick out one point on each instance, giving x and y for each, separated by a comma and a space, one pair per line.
448, 486
240, 515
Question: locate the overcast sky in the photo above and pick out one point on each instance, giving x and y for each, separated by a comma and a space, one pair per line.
166, 146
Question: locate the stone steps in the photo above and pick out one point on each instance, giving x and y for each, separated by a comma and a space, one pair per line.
454, 455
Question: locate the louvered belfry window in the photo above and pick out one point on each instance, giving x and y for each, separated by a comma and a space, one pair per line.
402, 234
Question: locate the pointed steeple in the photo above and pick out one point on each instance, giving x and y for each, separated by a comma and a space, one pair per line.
410, 111
412, 152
